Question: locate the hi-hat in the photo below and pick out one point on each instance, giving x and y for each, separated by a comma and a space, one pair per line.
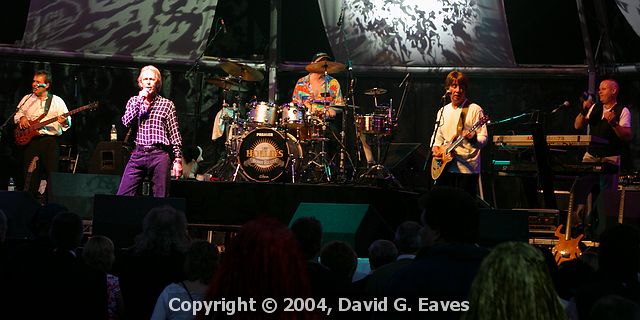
322, 66
375, 91
227, 84
242, 71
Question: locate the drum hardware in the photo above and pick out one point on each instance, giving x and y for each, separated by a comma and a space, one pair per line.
228, 83
375, 92
242, 71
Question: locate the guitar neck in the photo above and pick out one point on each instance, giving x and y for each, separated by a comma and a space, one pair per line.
48, 121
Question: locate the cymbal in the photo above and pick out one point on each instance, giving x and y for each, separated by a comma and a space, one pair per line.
242, 71
375, 91
227, 84
322, 66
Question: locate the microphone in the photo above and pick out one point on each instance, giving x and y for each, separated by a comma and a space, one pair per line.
446, 94
224, 26
42, 85
560, 106
406, 77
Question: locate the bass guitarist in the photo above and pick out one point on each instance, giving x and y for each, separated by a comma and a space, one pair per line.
457, 119
34, 108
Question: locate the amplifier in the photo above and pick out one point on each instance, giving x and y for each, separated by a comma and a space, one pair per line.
542, 222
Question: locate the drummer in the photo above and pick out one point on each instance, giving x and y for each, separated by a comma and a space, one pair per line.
318, 91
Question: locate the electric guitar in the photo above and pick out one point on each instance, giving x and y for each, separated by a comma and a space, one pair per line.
23, 136
567, 248
438, 164
30, 170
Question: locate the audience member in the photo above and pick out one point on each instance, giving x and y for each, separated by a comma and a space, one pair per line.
200, 263
340, 258
614, 307
381, 253
445, 268
155, 260
513, 283
99, 253
408, 241
618, 262
263, 260
68, 289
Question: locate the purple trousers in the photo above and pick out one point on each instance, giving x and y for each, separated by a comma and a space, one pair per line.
147, 161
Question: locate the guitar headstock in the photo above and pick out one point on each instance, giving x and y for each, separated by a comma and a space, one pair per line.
32, 164
92, 105
484, 119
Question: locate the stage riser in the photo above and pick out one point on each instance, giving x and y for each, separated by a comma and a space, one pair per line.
234, 203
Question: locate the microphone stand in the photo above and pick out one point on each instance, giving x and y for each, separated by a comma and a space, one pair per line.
12, 115
350, 101
196, 64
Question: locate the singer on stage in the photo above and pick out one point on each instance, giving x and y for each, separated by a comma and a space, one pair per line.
453, 120
158, 141
39, 106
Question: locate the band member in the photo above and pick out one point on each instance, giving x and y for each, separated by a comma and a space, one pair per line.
611, 121
317, 91
37, 107
158, 142
455, 119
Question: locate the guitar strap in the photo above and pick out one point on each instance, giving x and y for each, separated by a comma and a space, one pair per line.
463, 116
47, 105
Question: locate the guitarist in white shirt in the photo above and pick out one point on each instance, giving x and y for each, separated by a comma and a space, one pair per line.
32, 110
463, 169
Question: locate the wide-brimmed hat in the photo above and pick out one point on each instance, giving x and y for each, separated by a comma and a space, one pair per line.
320, 56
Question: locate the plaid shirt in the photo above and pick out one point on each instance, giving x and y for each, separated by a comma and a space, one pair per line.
158, 126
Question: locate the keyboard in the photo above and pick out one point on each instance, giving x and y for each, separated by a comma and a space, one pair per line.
520, 141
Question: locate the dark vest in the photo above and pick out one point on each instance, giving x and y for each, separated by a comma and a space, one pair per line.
601, 128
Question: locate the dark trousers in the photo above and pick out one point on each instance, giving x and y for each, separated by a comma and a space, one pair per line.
154, 163
466, 182
47, 150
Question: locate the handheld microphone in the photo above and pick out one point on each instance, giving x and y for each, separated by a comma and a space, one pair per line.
224, 26
42, 85
406, 77
560, 106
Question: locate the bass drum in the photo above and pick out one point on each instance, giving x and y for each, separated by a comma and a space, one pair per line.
265, 154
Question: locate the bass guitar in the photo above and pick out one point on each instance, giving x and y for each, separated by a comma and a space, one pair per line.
567, 248
23, 136
438, 164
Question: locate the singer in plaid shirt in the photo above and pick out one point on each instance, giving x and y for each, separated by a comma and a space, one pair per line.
158, 140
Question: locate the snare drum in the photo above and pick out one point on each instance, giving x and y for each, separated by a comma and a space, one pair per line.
262, 114
373, 124
265, 154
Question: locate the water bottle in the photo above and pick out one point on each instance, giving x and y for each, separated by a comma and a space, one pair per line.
146, 187
114, 133
12, 185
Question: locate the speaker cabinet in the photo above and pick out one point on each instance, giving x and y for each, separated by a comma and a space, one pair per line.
120, 217
408, 163
630, 204
19, 207
357, 224
500, 225
109, 157
76, 191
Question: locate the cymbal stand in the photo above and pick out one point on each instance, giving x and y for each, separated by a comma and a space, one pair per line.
379, 172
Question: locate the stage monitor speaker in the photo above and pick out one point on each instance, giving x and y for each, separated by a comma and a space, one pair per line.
109, 157
357, 224
76, 191
19, 207
630, 205
501, 225
120, 217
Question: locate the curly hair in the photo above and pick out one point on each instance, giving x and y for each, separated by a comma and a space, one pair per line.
513, 282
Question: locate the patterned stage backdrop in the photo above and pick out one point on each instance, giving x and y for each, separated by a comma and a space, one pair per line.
122, 29
631, 10
419, 33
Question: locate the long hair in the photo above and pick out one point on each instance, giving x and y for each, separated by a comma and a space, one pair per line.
99, 253
262, 261
164, 231
513, 282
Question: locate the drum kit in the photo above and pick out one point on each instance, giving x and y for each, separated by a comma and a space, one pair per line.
267, 142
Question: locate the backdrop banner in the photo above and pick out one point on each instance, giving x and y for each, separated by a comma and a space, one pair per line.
418, 33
